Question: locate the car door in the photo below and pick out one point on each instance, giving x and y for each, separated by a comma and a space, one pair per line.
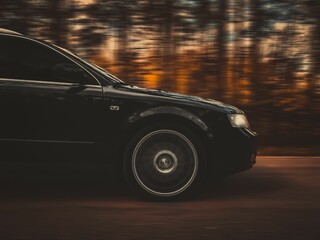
47, 97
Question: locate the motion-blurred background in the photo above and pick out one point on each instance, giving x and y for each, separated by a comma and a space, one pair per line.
260, 55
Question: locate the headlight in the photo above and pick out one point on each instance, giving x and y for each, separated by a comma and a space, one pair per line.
238, 120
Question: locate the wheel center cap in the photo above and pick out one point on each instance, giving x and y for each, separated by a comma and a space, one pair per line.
165, 161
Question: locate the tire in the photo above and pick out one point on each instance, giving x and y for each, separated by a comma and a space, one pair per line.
164, 162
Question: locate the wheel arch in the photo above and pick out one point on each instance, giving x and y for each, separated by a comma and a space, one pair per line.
161, 115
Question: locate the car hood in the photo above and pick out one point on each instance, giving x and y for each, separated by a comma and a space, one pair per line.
181, 98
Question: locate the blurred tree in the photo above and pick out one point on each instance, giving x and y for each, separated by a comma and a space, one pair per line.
58, 13
221, 49
166, 23
311, 13
14, 15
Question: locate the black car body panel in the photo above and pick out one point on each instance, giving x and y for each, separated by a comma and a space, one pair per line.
101, 112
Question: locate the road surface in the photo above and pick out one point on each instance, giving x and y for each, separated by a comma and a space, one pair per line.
278, 199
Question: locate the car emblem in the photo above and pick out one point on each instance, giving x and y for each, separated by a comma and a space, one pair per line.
114, 108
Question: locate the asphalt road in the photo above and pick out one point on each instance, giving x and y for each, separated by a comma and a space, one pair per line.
278, 199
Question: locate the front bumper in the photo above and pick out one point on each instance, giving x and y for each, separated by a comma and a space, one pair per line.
233, 152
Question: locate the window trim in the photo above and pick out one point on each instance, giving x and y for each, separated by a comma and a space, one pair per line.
45, 82
55, 50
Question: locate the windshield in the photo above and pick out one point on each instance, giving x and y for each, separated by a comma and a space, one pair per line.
92, 65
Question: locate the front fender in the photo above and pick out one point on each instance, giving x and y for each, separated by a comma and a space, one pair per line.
168, 110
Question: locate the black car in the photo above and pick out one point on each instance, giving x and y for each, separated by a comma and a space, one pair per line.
164, 142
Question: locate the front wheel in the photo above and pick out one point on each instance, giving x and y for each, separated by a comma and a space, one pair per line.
163, 162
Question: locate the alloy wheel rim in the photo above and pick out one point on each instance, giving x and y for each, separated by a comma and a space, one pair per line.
164, 162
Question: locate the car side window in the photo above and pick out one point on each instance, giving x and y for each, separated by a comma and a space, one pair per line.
25, 59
